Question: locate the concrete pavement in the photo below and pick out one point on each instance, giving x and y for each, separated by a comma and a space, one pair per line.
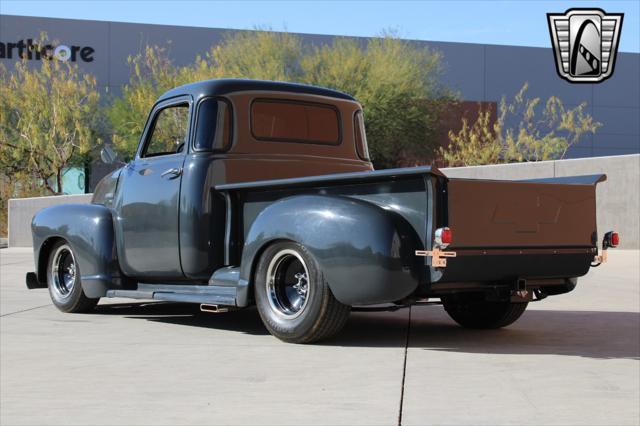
572, 359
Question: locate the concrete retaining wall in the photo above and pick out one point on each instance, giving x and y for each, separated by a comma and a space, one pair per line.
618, 197
22, 210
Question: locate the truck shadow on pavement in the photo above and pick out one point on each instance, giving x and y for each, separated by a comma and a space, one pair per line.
591, 334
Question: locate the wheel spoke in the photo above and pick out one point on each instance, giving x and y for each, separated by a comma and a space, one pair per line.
297, 304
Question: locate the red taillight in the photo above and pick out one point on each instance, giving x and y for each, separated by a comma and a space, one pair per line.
446, 236
443, 237
611, 240
615, 239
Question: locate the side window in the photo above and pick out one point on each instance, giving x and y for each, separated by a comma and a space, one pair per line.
214, 125
170, 131
360, 136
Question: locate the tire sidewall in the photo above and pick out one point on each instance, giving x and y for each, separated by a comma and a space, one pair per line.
68, 303
290, 328
481, 314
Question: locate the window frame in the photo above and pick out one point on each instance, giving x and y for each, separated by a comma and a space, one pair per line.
196, 115
366, 157
297, 102
151, 124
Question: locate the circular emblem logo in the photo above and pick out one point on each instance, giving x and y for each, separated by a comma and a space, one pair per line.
62, 53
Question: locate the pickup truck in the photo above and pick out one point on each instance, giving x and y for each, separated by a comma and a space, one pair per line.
262, 193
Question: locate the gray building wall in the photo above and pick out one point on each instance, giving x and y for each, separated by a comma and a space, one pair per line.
478, 72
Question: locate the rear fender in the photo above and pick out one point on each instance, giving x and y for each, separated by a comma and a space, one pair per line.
88, 228
364, 251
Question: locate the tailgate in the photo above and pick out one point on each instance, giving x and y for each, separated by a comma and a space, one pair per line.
507, 230
558, 212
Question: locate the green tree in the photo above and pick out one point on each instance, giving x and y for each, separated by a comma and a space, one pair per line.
48, 121
259, 54
397, 85
395, 81
152, 74
543, 132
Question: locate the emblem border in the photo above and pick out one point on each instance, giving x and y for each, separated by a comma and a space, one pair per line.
551, 17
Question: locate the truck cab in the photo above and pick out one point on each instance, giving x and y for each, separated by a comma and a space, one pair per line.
170, 221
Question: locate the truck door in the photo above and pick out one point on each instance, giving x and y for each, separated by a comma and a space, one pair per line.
147, 205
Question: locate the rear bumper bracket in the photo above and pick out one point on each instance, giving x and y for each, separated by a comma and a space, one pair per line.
438, 257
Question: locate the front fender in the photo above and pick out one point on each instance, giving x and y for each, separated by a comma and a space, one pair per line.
364, 251
88, 228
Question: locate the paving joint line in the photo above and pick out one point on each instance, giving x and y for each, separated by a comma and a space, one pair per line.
12, 263
25, 310
404, 368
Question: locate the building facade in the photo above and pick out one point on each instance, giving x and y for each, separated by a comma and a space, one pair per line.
477, 72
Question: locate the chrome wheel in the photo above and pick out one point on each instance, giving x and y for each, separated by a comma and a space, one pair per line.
287, 284
62, 272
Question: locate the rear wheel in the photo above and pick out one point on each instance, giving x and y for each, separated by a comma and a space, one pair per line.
293, 298
472, 311
63, 280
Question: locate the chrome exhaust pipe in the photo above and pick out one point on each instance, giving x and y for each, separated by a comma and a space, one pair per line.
214, 309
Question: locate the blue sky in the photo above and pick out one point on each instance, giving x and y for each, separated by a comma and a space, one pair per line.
516, 23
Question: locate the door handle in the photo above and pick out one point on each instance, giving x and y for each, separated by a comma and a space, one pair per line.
172, 173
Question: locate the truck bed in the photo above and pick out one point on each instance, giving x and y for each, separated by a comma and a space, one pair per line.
502, 230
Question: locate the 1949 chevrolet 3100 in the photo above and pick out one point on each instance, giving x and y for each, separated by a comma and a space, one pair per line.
253, 192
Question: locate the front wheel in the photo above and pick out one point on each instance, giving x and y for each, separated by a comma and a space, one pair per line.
472, 311
293, 298
63, 280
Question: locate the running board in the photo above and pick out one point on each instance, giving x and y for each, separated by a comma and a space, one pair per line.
207, 294
225, 288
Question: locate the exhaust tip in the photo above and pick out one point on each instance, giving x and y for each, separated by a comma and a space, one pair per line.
214, 309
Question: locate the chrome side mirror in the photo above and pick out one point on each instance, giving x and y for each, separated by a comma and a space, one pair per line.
107, 155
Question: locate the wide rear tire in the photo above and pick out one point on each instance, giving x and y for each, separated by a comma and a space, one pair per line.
471, 311
293, 298
63, 280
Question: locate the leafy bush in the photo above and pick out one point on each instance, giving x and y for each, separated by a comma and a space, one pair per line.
543, 132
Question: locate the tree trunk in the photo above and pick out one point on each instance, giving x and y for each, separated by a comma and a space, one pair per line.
48, 187
59, 181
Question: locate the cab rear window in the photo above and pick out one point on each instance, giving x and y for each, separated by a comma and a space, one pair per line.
293, 121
